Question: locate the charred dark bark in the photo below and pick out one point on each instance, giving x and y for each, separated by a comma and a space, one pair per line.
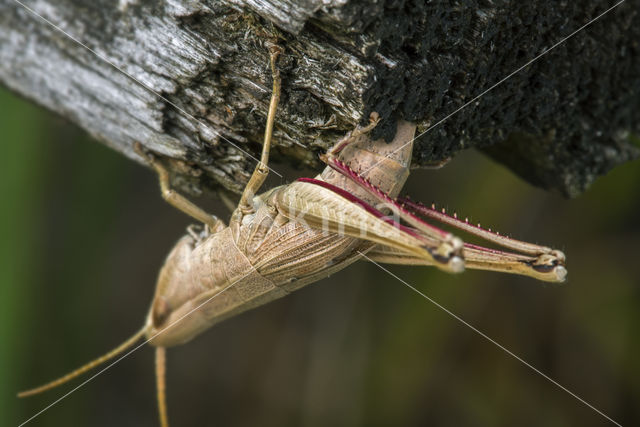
560, 122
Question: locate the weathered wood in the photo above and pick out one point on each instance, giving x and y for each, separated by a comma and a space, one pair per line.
560, 123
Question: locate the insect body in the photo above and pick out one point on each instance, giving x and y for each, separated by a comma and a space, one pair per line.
295, 234
279, 243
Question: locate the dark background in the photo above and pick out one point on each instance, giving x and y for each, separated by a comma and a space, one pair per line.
84, 232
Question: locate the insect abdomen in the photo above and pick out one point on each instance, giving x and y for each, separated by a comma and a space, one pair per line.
203, 284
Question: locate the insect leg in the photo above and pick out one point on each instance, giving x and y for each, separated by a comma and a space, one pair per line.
322, 206
176, 199
537, 261
430, 230
438, 164
334, 151
262, 169
480, 258
161, 370
488, 235
528, 259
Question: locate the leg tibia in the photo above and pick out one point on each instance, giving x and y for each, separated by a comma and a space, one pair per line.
262, 169
174, 198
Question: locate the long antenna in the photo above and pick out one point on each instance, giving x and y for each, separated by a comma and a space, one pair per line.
87, 367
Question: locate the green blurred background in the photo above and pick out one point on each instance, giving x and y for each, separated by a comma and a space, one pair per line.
84, 231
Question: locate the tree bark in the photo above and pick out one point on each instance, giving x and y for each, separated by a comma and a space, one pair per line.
190, 79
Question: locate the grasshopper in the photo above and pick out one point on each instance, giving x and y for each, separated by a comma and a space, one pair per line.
290, 236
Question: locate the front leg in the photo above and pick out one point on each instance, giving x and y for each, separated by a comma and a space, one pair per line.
176, 199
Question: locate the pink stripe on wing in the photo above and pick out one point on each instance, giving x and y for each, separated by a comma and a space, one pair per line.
347, 171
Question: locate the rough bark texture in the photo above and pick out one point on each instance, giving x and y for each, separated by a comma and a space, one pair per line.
559, 123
